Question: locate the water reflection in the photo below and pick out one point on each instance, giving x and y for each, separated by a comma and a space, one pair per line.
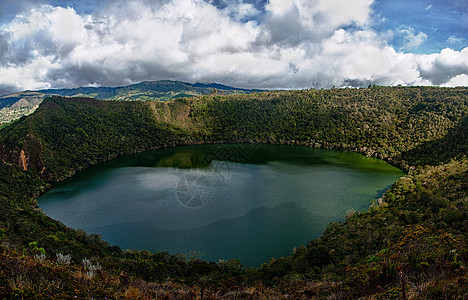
248, 201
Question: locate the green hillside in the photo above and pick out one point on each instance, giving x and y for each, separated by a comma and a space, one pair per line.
410, 243
15, 105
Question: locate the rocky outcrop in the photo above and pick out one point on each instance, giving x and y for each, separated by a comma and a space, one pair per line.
22, 161
28, 157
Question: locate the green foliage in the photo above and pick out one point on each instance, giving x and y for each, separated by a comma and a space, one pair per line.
65, 137
435, 151
420, 250
34, 249
419, 227
24, 103
381, 122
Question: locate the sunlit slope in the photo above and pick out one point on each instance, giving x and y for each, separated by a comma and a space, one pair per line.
15, 105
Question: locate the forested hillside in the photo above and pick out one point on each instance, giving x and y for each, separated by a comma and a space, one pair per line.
410, 243
15, 105
380, 121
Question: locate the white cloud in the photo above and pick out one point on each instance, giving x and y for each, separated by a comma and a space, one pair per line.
241, 11
455, 40
23, 26
361, 58
412, 40
443, 67
298, 44
459, 80
298, 21
30, 76
66, 26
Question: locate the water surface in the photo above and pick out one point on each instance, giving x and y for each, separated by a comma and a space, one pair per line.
244, 201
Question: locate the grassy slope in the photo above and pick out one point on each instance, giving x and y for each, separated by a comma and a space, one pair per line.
393, 123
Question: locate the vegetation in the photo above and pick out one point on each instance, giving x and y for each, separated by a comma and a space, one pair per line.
16, 105
419, 228
380, 122
411, 243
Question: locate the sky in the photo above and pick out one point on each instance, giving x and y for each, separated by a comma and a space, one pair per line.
264, 44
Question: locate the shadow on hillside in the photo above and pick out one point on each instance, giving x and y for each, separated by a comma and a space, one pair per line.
452, 146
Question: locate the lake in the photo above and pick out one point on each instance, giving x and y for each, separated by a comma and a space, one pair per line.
219, 201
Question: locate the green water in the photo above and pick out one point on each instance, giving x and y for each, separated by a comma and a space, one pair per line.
244, 201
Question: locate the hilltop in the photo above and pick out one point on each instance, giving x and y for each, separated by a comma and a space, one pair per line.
15, 105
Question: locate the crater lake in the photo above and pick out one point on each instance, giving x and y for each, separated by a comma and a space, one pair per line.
219, 201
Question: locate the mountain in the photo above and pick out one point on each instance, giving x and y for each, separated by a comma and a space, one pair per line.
411, 243
15, 105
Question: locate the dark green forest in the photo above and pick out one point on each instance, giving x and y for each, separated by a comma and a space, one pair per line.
411, 243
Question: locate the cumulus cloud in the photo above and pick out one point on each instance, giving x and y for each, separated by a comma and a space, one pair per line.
441, 68
281, 44
362, 58
459, 80
298, 21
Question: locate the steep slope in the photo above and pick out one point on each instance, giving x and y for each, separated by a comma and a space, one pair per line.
66, 135
453, 145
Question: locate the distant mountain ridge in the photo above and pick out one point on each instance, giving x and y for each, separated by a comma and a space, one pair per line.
16, 105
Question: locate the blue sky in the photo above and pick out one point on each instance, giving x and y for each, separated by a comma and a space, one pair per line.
444, 22
274, 44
